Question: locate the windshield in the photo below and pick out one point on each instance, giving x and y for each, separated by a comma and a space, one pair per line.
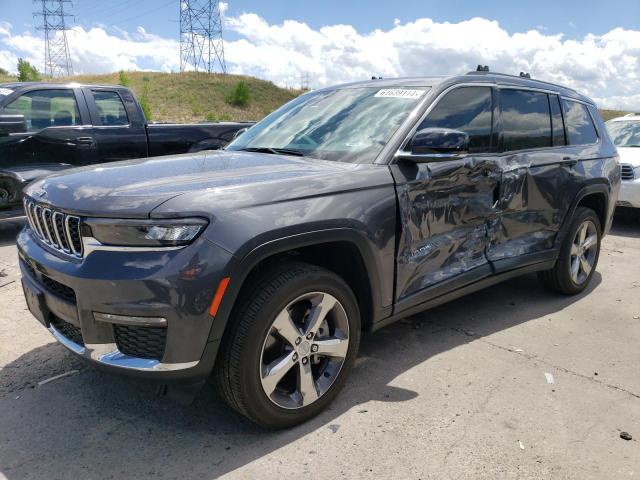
625, 133
346, 125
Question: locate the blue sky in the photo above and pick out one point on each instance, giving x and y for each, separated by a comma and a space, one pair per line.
571, 17
593, 46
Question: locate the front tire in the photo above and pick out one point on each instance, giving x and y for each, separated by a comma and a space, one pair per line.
578, 256
290, 344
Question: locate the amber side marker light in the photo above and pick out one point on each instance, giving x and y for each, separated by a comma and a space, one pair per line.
217, 298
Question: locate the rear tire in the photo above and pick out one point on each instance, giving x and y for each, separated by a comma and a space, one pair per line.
291, 342
578, 256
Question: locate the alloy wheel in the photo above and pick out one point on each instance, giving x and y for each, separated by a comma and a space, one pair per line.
304, 350
584, 250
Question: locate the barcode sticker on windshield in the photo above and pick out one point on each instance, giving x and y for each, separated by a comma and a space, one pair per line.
5, 91
399, 93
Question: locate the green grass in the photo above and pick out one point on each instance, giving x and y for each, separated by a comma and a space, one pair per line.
196, 97
609, 114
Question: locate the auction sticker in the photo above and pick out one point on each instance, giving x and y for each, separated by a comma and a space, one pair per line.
5, 91
399, 93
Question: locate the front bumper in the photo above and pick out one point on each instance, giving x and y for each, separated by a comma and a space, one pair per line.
629, 193
176, 286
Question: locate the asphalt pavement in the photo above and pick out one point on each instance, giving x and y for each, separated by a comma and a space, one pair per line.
510, 382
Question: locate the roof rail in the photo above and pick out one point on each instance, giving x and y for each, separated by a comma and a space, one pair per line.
523, 75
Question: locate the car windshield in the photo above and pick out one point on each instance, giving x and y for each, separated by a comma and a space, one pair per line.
624, 133
346, 124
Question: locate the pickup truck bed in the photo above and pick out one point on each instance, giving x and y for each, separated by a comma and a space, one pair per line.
47, 127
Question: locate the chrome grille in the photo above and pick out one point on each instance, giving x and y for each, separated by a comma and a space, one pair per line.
57, 229
627, 172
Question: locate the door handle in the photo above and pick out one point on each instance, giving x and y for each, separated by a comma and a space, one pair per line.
84, 142
572, 162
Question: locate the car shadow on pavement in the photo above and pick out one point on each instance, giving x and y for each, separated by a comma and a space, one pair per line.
92, 424
9, 231
626, 224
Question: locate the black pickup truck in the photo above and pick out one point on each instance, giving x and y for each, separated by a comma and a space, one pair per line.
47, 127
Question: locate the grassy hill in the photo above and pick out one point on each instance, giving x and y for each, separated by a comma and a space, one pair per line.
194, 97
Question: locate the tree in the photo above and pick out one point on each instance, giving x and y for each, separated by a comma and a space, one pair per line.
239, 96
27, 72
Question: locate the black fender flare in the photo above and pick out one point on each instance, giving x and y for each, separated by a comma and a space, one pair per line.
238, 269
599, 187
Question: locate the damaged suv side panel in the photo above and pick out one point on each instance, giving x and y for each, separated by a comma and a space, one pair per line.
504, 204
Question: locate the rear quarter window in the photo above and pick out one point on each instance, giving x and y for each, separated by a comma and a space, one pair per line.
579, 124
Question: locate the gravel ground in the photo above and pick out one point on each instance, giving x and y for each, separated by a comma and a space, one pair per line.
461, 391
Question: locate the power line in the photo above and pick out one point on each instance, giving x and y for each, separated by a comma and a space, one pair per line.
201, 44
128, 19
57, 60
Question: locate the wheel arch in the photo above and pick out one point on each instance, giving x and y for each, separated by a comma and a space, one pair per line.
324, 248
594, 196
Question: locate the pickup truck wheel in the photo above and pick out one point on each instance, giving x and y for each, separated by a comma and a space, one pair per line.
578, 255
290, 346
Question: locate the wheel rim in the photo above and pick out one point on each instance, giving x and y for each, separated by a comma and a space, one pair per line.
304, 350
583, 252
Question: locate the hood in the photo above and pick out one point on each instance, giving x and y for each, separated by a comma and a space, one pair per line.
132, 189
630, 155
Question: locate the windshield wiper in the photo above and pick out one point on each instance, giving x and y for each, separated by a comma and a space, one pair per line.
273, 150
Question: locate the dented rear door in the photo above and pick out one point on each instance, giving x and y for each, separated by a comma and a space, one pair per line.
538, 179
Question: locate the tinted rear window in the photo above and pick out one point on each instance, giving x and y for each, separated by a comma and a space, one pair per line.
580, 128
526, 122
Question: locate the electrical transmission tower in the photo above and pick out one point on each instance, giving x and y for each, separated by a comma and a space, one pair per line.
57, 61
201, 44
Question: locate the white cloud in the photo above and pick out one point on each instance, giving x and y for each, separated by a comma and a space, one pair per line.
605, 67
95, 50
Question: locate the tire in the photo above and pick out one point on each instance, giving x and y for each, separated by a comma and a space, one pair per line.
274, 311
562, 277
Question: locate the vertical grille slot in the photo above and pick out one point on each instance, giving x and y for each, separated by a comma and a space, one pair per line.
627, 172
61, 236
56, 229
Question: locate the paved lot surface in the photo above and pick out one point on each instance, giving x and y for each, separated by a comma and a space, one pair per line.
458, 392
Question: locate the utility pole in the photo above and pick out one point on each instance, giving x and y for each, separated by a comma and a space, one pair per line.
57, 60
304, 81
201, 44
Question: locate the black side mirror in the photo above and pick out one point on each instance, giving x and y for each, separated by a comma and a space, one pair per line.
439, 140
12, 124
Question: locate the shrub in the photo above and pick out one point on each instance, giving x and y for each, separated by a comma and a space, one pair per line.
144, 99
239, 96
27, 72
123, 79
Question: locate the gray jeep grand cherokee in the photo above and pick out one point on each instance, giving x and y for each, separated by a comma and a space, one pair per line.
348, 208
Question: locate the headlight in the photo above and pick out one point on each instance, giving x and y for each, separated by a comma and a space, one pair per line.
146, 233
